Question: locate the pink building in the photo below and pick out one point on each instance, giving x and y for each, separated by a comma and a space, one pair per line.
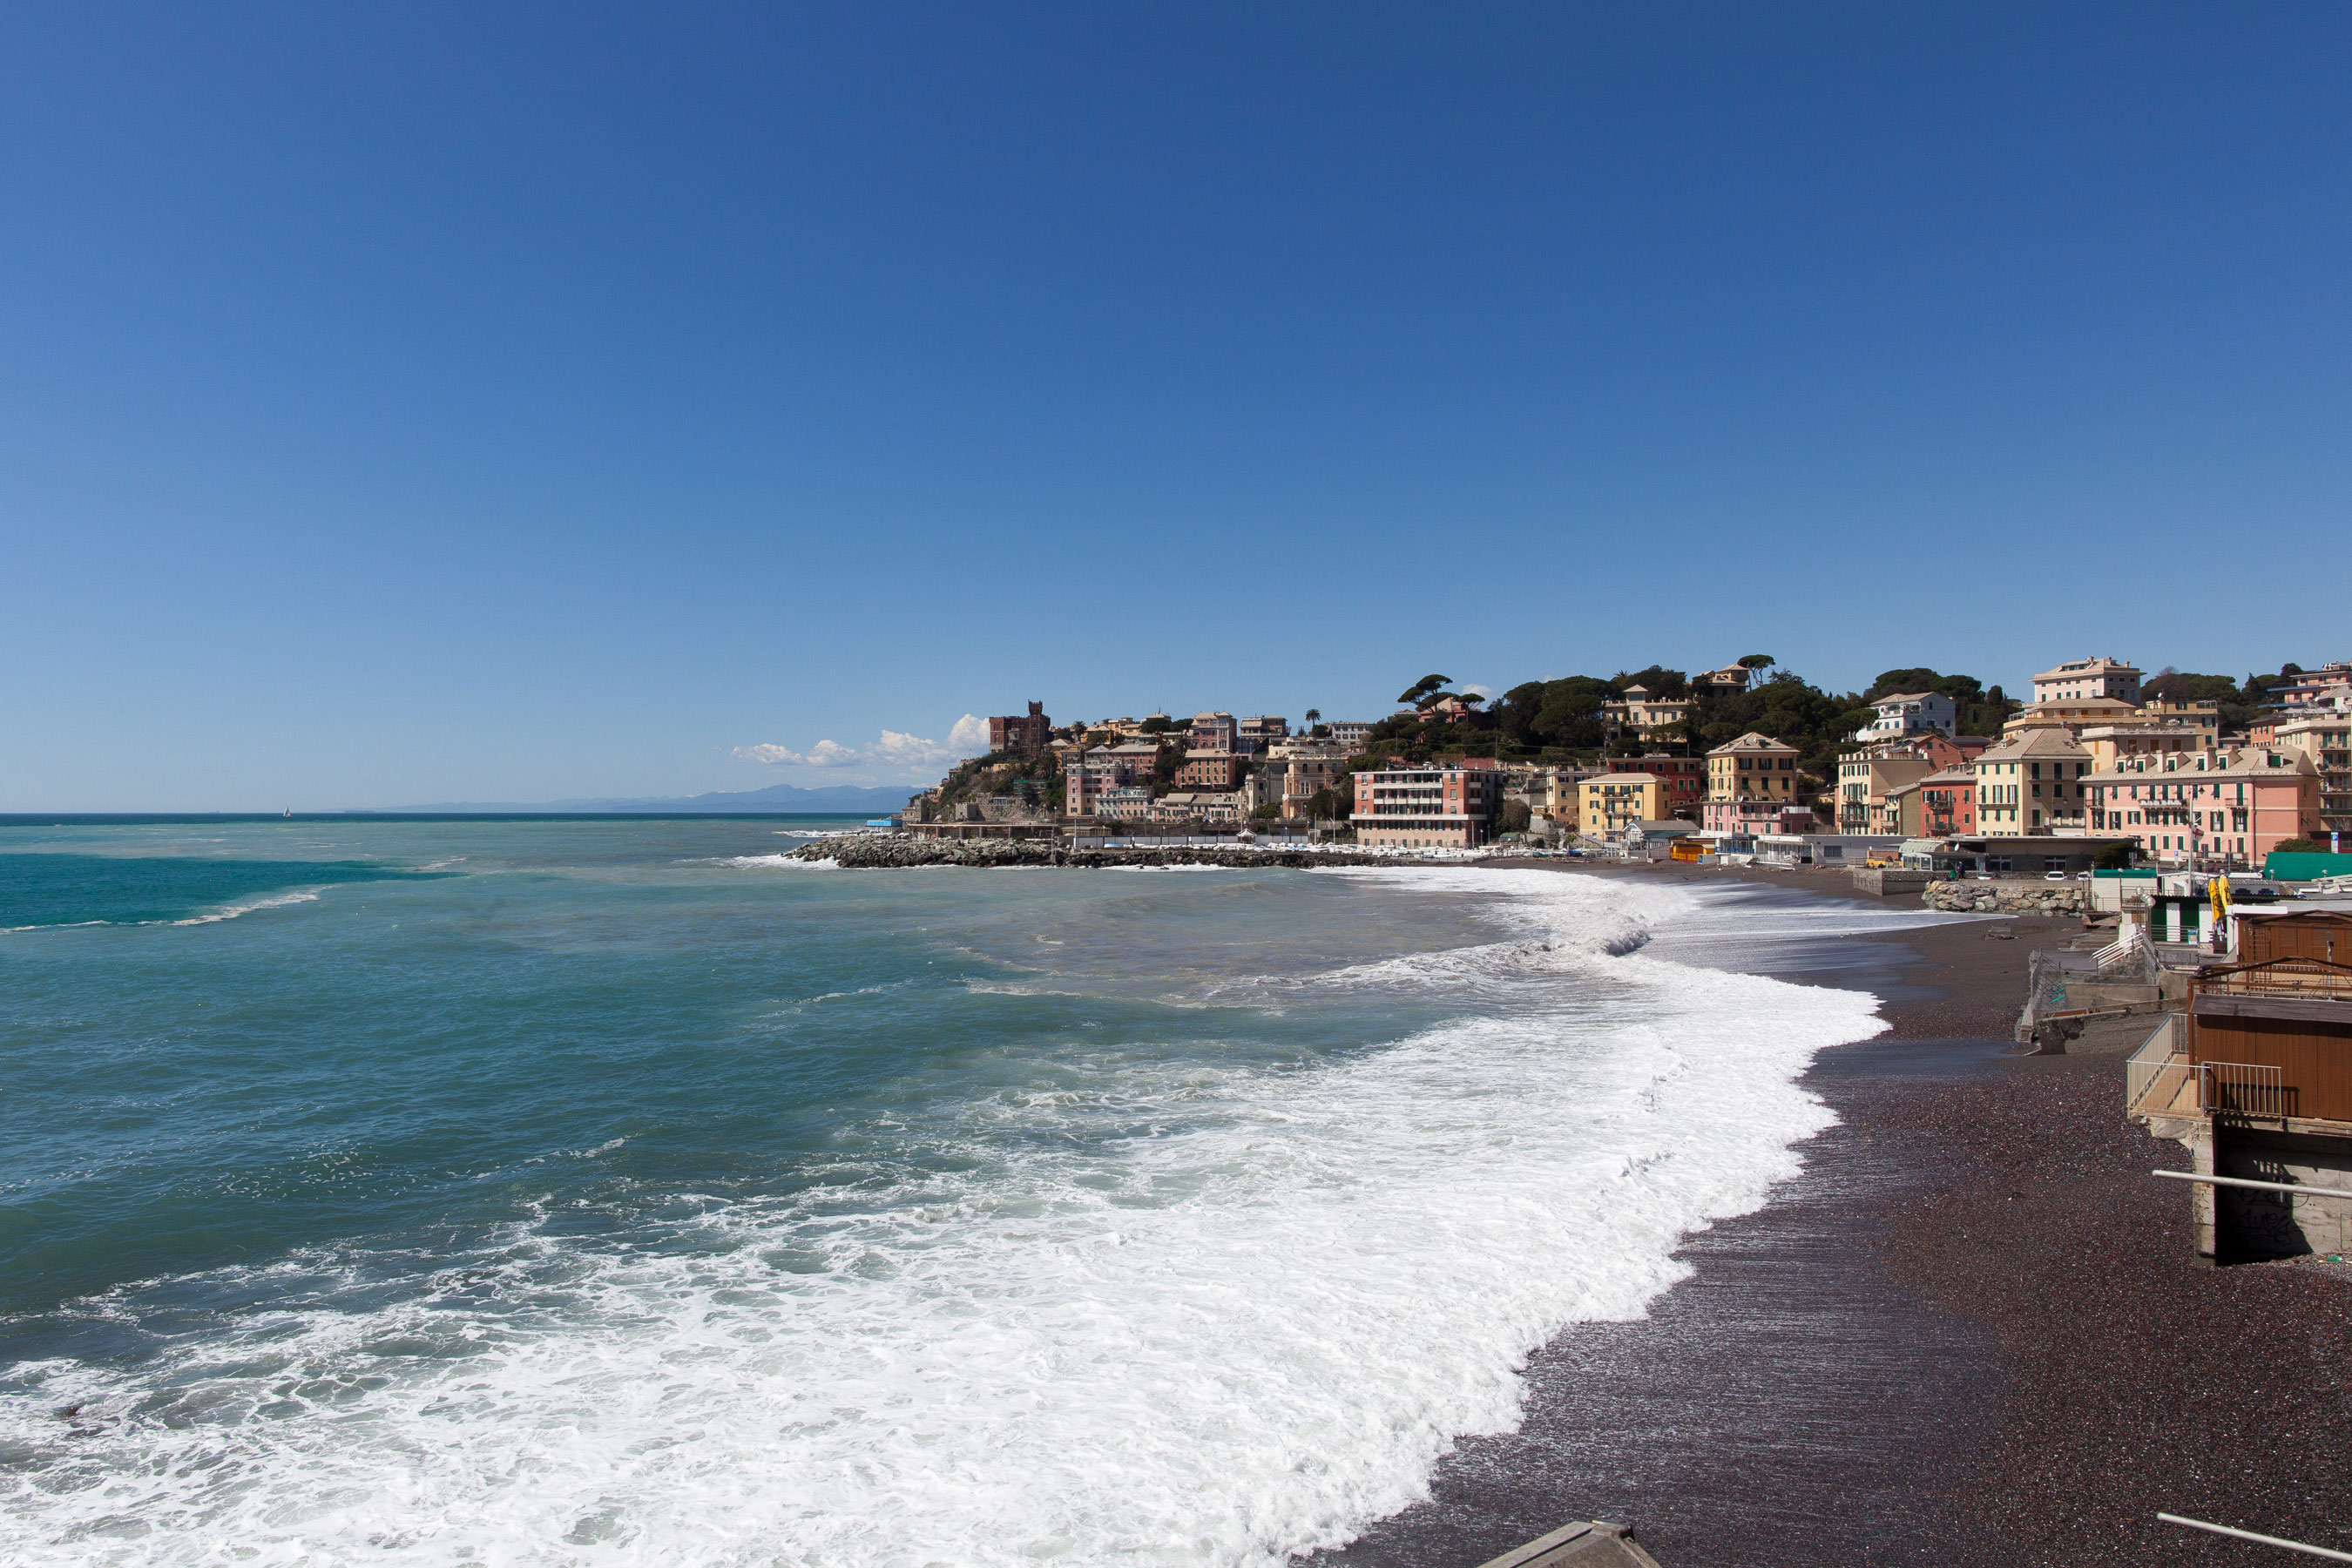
2207, 808
1103, 771
1432, 807
1753, 817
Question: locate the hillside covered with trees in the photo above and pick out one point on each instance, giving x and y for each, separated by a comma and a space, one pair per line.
1561, 721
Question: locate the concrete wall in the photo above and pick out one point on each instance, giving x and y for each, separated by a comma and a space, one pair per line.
2252, 1224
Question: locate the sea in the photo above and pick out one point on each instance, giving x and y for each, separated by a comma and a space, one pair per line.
527, 1192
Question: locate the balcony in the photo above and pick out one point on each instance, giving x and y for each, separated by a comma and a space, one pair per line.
2305, 990
2269, 1041
2163, 1078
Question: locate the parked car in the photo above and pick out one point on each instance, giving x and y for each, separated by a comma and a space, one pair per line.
2259, 893
2059, 876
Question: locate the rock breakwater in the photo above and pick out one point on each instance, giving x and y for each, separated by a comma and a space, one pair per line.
2003, 899
885, 852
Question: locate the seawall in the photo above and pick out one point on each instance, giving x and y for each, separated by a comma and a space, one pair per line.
859, 852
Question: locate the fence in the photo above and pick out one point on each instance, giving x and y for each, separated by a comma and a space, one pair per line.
2312, 978
2129, 959
2065, 986
2159, 1077
2243, 1089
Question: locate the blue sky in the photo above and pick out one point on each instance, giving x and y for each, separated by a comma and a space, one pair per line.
419, 403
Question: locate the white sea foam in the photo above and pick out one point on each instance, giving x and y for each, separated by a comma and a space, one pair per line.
1239, 1336
775, 862
231, 911
226, 912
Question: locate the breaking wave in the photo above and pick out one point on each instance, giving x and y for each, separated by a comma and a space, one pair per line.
1193, 1315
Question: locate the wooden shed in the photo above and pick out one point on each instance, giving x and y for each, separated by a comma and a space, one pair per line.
2273, 1038
2322, 934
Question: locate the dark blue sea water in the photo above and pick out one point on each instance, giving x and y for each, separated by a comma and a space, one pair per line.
580, 1192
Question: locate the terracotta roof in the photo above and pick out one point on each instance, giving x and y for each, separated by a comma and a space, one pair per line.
2043, 742
1754, 740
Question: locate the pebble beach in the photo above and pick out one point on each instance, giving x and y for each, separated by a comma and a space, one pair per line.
1972, 1332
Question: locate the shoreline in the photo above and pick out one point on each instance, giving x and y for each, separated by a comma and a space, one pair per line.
1971, 1332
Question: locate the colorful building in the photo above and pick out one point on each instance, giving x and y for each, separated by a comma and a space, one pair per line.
2201, 716
1253, 736
1209, 770
1024, 734
2088, 678
2031, 782
1908, 713
1755, 768
2208, 807
2312, 687
2325, 735
2071, 714
1948, 803
1685, 779
1212, 732
1645, 719
1898, 813
1127, 803
1434, 807
2114, 745
1607, 802
1863, 779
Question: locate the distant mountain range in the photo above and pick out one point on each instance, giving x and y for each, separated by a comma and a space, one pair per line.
836, 800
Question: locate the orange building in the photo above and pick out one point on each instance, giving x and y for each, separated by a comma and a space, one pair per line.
1948, 803
1209, 771
1682, 780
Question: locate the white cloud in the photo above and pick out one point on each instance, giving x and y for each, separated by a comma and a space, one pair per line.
894, 752
1481, 691
823, 754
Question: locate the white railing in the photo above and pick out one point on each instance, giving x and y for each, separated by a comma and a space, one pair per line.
2243, 1089
2132, 951
2158, 1073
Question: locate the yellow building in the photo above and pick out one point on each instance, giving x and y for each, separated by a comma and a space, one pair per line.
2031, 783
2071, 714
1609, 803
2113, 745
1753, 767
2204, 716
1644, 718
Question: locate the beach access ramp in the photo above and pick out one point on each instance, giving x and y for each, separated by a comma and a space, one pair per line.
1589, 1544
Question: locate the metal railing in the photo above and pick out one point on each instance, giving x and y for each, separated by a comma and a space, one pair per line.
2131, 952
2302, 977
2157, 1074
2243, 1089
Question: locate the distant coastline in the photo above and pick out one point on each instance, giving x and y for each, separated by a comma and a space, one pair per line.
834, 800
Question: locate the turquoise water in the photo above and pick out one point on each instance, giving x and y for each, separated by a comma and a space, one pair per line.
619, 1190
